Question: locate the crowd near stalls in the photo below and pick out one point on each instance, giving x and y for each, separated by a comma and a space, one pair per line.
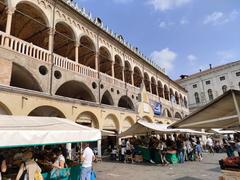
37, 148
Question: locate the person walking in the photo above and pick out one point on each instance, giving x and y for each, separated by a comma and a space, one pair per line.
87, 158
238, 146
210, 145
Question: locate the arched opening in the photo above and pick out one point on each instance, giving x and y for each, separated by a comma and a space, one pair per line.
22, 78
154, 86
107, 99
224, 88
76, 90
178, 115
197, 99
128, 73
147, 82
160, 89
64, 41
87, 52
148, 119
127, 123
3, 12
111, 123
126, 102
176, 97
167, 113
172, 97
181, 100
4, 109
30, 24
166, 92
210, 94
47, 111
118, 68
88, 119
185, 102
105, 61
137, 77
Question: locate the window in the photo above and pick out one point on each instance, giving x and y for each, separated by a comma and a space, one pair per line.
208, 82
224, 88
238, 73
195, 86
222, 78
210, 95
197, 98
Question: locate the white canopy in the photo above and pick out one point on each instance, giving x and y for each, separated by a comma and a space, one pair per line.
144, 127
29, 131
220, 131
223, 112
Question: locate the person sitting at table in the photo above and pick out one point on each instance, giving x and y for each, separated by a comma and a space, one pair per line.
30, 167
59, 162
3, 165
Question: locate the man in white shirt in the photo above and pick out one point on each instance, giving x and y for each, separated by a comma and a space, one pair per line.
87, 158
210, 145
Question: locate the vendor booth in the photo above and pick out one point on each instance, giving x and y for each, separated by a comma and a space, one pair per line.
223, 112
142, 127
21, 131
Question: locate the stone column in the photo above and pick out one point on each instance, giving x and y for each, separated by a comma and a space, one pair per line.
76, 51
51, 39
10, 12
123, 73
132, 78
96, 62
99, 148
113, 74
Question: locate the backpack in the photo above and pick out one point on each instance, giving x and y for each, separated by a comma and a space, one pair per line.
24, 175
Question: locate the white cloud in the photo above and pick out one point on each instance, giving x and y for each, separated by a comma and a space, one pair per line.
218, 18
192, 59
164, 58
163, 5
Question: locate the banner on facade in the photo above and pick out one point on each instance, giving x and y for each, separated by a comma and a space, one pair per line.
157, 107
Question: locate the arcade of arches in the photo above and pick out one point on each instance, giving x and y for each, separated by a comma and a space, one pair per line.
30, 23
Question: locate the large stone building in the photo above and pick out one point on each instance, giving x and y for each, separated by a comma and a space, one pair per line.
56, 60
207, 85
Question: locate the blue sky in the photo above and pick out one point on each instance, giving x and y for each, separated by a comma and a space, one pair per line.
181, 36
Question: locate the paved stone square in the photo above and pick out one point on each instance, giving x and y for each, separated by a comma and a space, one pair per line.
208, 169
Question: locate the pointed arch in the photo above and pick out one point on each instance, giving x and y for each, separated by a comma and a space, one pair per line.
87, 52
3, 12
128, 72
76, 90
64, 40
127, 123
105, 61
107, 99
148, 119
167, 113
22, 78
176, 97
137, 77
47, 111
111, 123
126, 102
30, 24
118, 67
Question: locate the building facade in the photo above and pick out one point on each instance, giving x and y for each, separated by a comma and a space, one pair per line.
207, 85
56, 60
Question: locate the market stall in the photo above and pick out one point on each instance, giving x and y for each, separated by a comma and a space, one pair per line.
142, 127
223, 112
21, 131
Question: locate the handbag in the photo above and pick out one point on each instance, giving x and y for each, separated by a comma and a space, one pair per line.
24, 175
93, 175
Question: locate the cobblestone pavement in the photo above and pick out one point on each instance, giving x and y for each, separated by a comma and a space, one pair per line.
208, 169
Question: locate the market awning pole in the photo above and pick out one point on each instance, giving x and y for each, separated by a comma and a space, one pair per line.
236, 106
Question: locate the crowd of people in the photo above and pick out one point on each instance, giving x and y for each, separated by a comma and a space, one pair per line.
186, 147
30, 163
